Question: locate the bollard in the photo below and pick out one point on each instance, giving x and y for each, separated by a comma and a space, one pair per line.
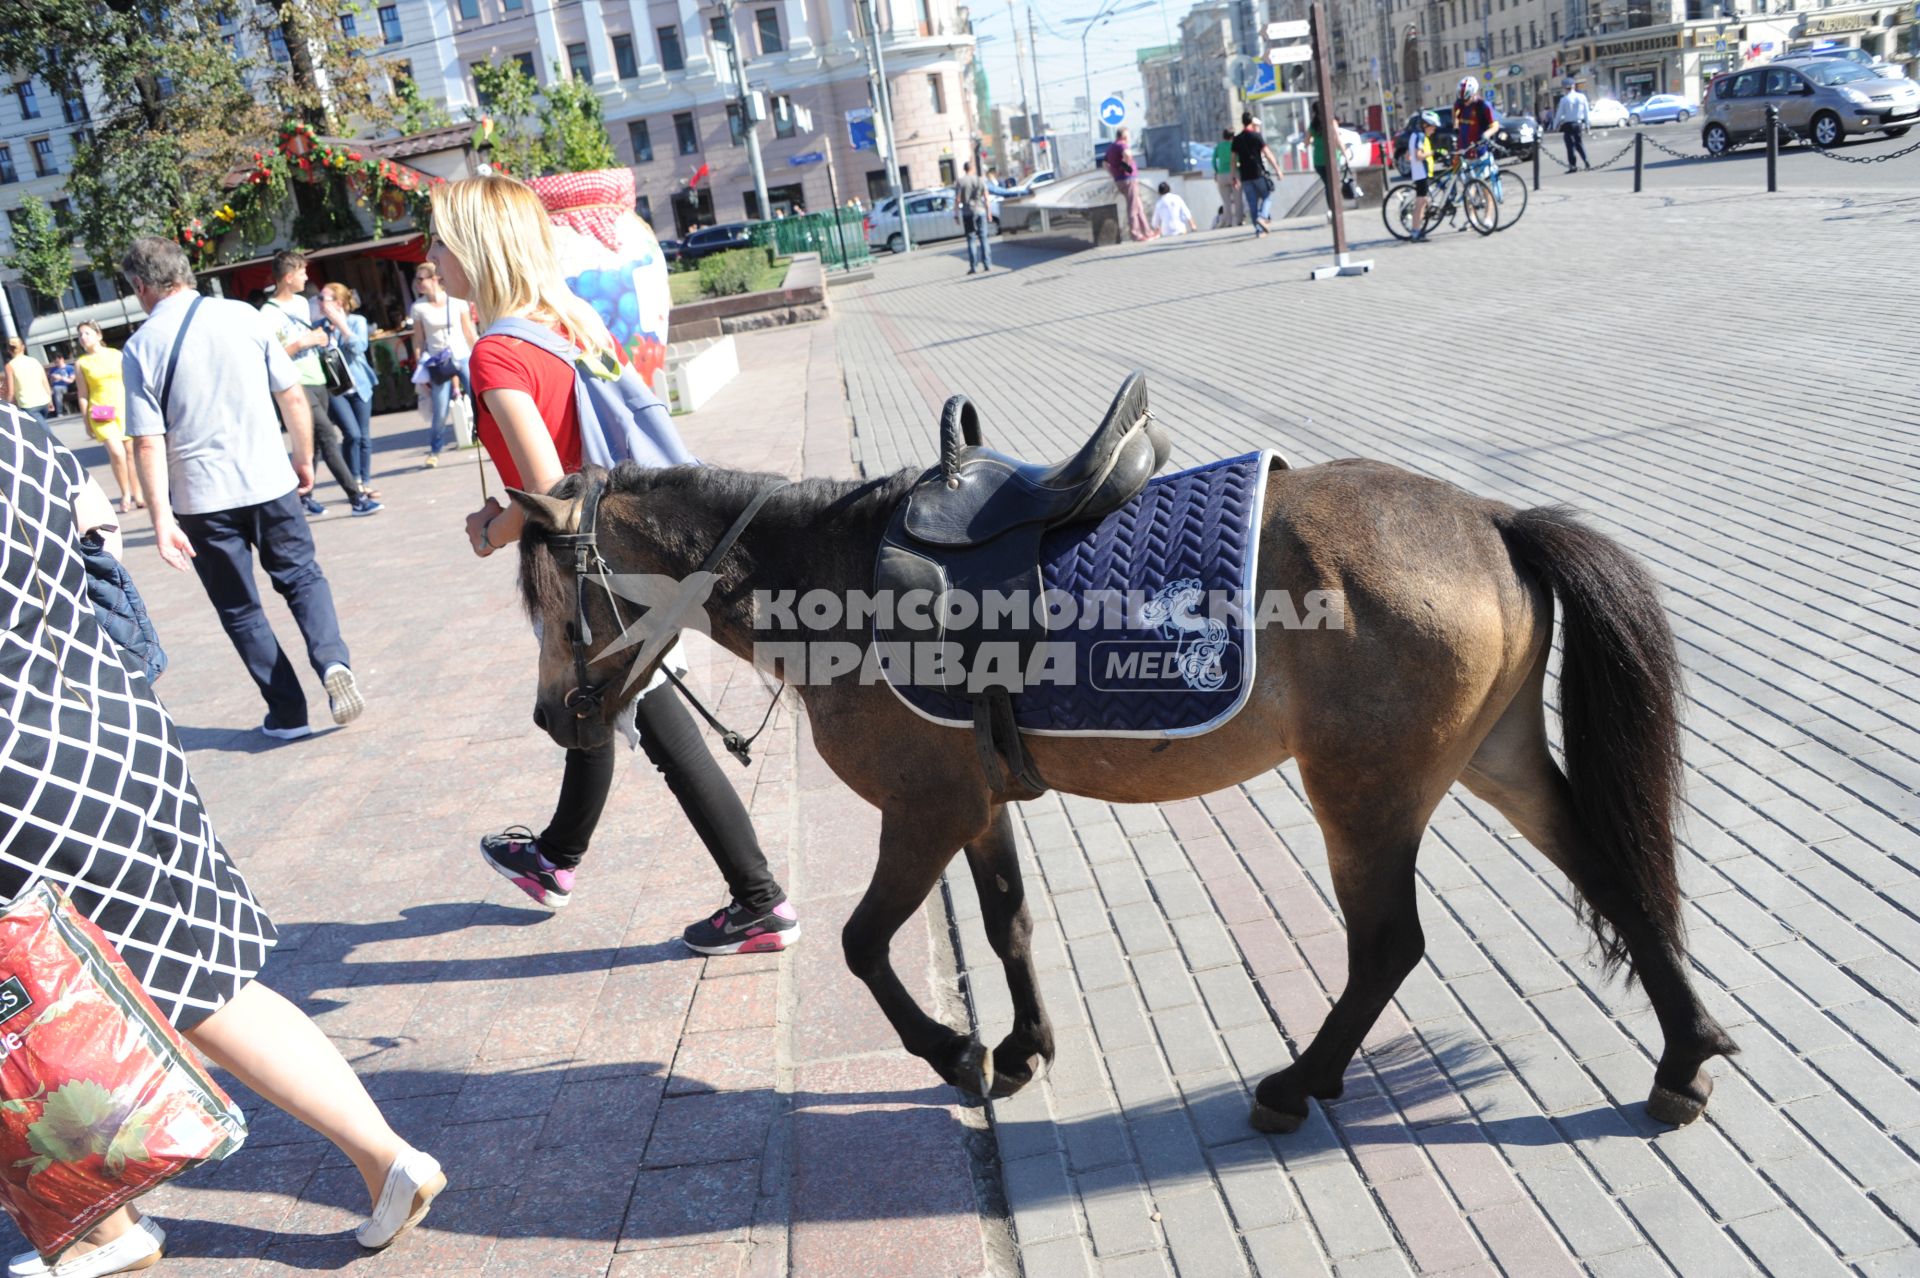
1639, 159
1538, 143
1773, 146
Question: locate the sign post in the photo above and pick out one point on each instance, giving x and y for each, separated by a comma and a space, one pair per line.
1323, 72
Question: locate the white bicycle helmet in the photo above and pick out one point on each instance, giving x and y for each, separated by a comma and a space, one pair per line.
1469, 88
1428, 117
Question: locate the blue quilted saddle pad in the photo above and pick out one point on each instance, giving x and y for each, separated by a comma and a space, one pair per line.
1147, 649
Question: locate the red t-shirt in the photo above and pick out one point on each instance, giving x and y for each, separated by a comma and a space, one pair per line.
507, 363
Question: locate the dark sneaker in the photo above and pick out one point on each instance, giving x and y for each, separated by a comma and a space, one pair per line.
314, 509
292, 732
343, 694
516, 855
365, 505
735, 931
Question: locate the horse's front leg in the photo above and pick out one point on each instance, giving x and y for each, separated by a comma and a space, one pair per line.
915, 846
1024, 1054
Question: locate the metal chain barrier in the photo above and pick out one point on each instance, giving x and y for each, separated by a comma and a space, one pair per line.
1787, 134
1618, 156
1680, 155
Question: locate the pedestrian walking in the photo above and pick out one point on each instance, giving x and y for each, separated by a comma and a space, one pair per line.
492, 241
96, 798
1571, 117
352, 409
1232, 211
1321, 155
202, 378
1171, 216
24, 382
1126, 182
1256, 164
103, 406
1420, 169
60, 376
443, 337
291, 314
970, 207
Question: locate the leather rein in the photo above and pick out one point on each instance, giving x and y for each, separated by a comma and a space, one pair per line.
586, 697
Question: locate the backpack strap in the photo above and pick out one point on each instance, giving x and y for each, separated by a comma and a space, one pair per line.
534, 335
173, 358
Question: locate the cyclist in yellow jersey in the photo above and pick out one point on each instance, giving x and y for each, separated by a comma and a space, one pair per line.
1420, 169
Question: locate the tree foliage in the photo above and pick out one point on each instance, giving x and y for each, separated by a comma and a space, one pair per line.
512, 101
42, 251
575, 130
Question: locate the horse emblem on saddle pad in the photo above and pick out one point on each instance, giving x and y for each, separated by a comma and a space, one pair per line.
1111, 587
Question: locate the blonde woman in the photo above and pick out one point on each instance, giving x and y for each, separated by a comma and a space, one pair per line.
492, 243
103, 406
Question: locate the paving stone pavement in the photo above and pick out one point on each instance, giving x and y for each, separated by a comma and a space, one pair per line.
1681, 367
605, 1102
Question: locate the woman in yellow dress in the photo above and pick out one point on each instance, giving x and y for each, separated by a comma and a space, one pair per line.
103, 405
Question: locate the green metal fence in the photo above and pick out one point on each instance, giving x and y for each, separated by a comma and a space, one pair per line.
839, 237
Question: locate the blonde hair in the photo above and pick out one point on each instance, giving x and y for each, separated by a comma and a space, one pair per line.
498, 229
341, 295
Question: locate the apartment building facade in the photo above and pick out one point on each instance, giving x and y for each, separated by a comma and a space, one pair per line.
667, 91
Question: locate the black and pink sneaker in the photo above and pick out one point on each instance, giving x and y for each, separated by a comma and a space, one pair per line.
735, 930
516, 855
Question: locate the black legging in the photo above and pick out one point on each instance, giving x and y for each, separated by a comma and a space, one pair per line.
673, 744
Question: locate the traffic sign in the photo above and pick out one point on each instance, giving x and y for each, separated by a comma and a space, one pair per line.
1287, 30
861, 133
807, 157
1113, 112
1286, 53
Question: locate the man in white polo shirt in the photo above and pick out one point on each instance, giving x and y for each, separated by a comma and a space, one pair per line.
202, 377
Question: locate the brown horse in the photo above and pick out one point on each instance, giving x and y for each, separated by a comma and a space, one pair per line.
1436, 676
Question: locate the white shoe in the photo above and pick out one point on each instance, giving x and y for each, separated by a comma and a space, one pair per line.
413, 1182
137, 1249
343, 694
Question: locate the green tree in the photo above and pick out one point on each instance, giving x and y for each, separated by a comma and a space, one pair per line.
413, 113
511, 101
576, 132
42, 252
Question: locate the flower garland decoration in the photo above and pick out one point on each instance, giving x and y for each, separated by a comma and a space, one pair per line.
389, 191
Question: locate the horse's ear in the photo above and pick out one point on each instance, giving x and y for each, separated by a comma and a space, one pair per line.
555, 514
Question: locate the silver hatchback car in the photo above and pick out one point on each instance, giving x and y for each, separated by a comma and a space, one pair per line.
1824, 101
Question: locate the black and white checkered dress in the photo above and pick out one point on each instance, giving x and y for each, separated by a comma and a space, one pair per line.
94, 789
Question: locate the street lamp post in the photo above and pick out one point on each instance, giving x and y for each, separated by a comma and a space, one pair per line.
883, 117
1086, 73
748, 126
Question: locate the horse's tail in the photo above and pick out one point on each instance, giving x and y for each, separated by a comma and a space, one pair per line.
1620, 702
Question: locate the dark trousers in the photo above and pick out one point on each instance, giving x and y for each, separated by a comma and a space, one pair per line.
353, 414
224, 543
1575, 137
326, 439
673, 744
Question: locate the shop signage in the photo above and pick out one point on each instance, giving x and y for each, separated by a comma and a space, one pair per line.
1642, 44
1835, 23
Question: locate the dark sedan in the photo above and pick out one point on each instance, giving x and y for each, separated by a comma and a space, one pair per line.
716, 239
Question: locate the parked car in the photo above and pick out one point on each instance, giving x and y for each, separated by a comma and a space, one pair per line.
671, 249
716, 239
1662, 108
1823, 100
1606, 113
1520, 134
1845, 53
929, 217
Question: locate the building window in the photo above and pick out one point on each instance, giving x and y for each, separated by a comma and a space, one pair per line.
7, 172
62, 211
1554, 18
29, 104
624, 63
470, 10
685, 134
74, 108
277, 41
528, 65
946, 171
578, 63
43, 157
736, 123
346, 26
87, 285
390, 23
644, 207
938, 94
926, 17
642, 141
783, 121
767, 22
671, 56
512, 6
722, 36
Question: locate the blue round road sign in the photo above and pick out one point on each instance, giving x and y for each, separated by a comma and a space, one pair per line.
1113, 112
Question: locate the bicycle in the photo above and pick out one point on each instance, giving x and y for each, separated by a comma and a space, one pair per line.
1448, 194
1510, 196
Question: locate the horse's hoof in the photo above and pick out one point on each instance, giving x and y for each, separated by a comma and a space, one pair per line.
973, 1072
1676, 1108
1276, 1121
1008, 1081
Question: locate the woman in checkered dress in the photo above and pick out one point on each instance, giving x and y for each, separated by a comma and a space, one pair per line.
95, 796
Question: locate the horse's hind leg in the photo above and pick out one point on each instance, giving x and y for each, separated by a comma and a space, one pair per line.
913, 852
1027, 1050
1371, 842
1514, 772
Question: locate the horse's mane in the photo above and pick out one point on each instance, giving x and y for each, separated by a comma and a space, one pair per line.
827, 530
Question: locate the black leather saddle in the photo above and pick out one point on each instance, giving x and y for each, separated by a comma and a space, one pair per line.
971, 527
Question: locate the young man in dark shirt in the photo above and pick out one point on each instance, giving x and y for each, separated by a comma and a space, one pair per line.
1252, 156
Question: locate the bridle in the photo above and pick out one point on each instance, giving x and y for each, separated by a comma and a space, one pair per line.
587, 697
